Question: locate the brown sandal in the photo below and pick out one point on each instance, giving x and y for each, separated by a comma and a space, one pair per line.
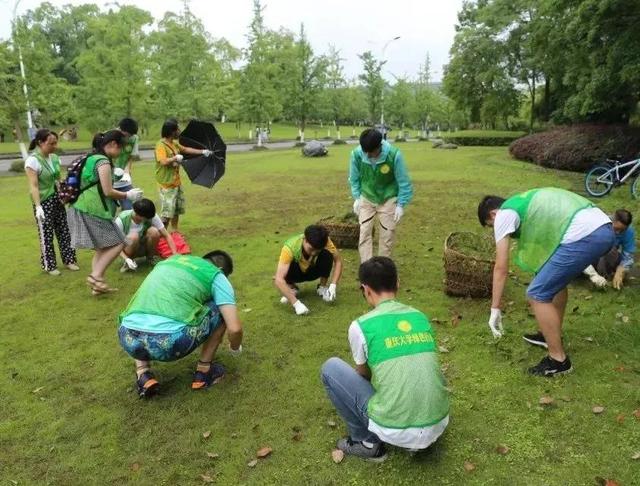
99, 286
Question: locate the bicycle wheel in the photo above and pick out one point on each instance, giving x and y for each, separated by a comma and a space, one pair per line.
635, 188
599, 181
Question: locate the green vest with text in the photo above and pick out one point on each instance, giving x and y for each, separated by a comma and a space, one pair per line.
410, 390
545, 214
378, 182
92, 201
48, 176
176, 288
125, 217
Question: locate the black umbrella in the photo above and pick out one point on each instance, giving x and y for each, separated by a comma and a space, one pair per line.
204, 171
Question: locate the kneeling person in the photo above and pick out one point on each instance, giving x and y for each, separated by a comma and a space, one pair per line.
143, 229
184, 302
305, 258
397, 392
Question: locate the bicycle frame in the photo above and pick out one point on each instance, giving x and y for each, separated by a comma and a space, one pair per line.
616, 170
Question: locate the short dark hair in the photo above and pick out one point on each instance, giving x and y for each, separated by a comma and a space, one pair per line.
222, 260
128, 125
380, 274
317, 236
41, 136
145, 208
102, 139
370, 139
488, 204
623, 216
169, 127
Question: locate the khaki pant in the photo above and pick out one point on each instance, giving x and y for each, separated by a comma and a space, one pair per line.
387, 227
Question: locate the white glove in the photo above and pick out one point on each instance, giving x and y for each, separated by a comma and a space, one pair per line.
126, 177
356, 207
300, 308
134, 194
40, 213
207, 152
235, 352
597, 279
330, 294
179, 158
321, 290
495, 323
130, 263
398, 214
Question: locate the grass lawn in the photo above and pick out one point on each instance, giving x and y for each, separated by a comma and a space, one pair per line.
70, 414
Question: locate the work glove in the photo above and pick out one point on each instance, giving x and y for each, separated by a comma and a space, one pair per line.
597, 279
330, 293
40, 213
130, 263
495, 323
179, 158
320, 290
207, 152
356, 207
300, 308
618, 278
126, 177
398, 214
235, 352
134, 194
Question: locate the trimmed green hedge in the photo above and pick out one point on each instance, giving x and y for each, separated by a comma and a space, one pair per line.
488, 141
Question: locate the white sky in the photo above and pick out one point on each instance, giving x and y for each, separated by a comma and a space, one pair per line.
351, 25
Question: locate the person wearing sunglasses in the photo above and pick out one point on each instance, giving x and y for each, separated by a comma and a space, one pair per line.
396, 394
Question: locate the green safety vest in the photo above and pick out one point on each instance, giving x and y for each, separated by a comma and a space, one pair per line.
545, 215
295, 245
125, 217
410, 390
91, 200
378, 182
48, 176
176, 288
125, 154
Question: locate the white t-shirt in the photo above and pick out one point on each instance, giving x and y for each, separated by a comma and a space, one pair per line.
34, 164
156, 222
411, 438
585, 222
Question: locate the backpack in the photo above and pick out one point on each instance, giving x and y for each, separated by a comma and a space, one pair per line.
70, 189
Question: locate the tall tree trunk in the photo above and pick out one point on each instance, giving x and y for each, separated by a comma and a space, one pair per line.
547, 98
533, 101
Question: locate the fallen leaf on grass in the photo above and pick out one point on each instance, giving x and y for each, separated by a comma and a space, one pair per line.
206, 435
331, 423
297, 436
38, 390
435, 320
213, 455
625, 319
234, 435
636, 456
247, 310
455, 320
135, 467
264, 452
588, 297
619, 315
206, 478
590, 339
502, 449
442, 349
597, 409
546, 400
619, 368
337, 456
620, 418
252, 463
636, 413
469, 466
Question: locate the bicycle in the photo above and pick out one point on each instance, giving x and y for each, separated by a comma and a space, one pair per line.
603, 177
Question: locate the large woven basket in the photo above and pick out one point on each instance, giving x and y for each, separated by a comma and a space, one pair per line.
343, 235
468, 265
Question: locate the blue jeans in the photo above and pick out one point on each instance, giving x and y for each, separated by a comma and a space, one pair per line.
125, 204
568, 261
349, 392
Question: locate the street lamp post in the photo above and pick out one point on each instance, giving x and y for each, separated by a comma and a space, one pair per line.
384, 48
23, 148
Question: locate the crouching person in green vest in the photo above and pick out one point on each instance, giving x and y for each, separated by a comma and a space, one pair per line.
397, 393
559, 234
143, 229
186, 301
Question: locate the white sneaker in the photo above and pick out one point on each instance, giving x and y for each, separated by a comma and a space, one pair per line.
73, 267
55, 272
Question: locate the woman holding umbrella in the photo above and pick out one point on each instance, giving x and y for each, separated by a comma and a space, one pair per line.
169, 154
43, 172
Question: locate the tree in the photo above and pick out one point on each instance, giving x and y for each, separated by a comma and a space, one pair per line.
114, 68
401, 103
333, 97
12, 103
373, 83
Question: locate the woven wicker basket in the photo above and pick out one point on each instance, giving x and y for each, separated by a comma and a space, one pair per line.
468, 265
343, 235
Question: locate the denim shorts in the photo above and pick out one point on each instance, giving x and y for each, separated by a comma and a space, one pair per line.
568, 261
149, 346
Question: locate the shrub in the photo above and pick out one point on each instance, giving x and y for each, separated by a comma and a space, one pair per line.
480, 141
577, 147
17, 166
400, 140
339, 141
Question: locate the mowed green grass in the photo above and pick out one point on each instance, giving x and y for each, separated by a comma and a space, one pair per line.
70, 414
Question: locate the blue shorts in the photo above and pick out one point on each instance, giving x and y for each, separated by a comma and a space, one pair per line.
149, 346
568, 261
